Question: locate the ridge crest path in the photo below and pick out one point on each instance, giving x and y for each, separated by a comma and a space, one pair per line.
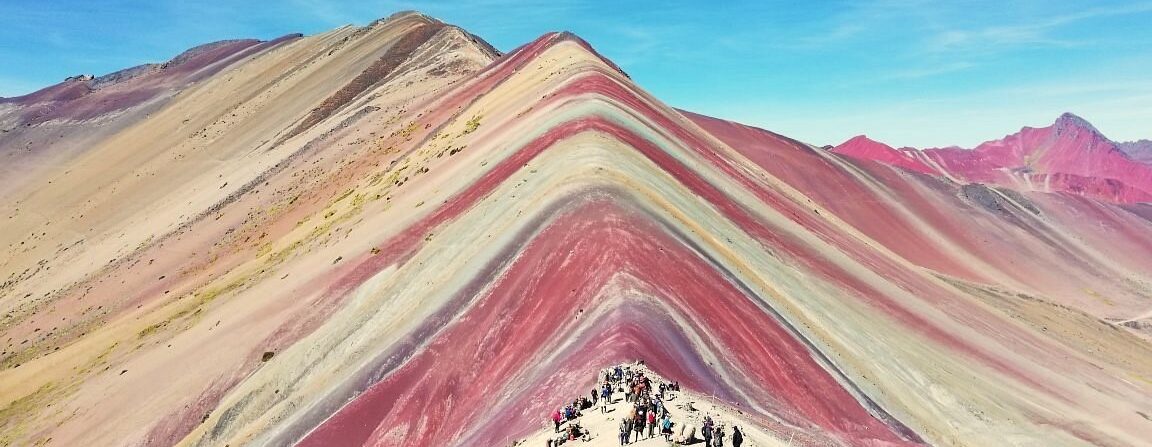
684, 406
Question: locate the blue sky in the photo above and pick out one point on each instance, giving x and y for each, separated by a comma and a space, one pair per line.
907, 72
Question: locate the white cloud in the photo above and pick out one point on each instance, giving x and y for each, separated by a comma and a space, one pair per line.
1024, 31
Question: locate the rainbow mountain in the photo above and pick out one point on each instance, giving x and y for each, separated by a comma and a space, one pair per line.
396, 235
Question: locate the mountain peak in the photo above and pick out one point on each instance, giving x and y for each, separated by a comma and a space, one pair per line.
1069, 122
404, 15
862, 139
862, 147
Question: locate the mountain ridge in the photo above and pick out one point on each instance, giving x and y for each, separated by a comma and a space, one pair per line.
1140, 150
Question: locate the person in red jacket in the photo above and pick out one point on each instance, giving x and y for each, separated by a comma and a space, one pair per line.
556, 418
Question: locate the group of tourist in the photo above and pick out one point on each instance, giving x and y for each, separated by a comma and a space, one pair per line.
714, 434
647, 410
647, 413
570, 413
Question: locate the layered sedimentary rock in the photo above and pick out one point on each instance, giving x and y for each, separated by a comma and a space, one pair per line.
393, 235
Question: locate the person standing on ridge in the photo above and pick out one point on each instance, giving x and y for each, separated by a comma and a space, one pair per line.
737, 437
625, 430
706, 431
639, 425
556, 417
651, 423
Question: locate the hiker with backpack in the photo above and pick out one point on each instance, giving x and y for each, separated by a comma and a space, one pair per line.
666, 427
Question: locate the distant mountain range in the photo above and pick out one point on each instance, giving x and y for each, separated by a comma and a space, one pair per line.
1069, 156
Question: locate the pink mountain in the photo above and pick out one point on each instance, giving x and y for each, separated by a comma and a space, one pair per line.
863, 147
1070, 156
